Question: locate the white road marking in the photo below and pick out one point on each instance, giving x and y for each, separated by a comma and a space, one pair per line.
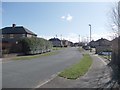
46, 81
5, 61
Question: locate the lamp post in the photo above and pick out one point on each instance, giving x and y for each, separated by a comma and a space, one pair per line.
79, 40
90, 36
61, 41
56, 41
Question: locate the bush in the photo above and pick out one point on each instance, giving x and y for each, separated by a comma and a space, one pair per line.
35, 45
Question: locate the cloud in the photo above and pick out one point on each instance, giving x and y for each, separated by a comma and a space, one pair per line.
67, 18
63, 17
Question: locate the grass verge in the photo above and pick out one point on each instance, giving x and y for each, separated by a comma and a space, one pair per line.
78, 69
58, 48
34, 56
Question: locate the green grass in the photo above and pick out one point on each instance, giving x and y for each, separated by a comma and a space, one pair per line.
58, 48
78, 69
29, 57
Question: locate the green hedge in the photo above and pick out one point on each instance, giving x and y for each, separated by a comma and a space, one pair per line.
35, 45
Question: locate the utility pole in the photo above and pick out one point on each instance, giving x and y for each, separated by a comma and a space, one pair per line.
90, 36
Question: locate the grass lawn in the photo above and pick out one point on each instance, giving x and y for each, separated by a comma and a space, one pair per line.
78, 69
29, 57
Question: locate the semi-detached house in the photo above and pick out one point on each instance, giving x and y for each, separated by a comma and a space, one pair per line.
11, 35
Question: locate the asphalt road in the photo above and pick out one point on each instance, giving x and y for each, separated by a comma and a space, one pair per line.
32, 73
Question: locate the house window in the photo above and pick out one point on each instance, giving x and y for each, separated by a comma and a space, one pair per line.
28, 35
11, 36
23, 35
2, 36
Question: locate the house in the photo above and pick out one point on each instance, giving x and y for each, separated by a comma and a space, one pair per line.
103, 42
93, 44
56, 42
100, 42
101, 45
65, 43
70, 43
76, 44
11, 35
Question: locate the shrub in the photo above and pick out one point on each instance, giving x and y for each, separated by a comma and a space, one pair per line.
34, 45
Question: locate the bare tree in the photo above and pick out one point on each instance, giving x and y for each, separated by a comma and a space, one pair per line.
116, 42
116, 19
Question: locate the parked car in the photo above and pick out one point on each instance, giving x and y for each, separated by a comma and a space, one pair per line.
105, 53
86, 47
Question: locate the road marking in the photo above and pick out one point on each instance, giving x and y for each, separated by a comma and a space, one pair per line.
46, 81
5, 61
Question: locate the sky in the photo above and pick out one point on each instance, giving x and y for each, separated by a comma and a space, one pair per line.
66, 19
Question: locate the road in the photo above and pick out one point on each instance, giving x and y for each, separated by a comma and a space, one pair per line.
32, 73
98, 76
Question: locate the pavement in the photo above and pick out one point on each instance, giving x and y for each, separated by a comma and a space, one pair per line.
36, 72
98, 76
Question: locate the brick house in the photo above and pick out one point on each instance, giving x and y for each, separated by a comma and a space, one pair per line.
11, 35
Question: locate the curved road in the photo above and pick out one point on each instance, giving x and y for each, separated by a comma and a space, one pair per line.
32, 73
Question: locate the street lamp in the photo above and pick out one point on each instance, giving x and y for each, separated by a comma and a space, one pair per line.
79, 40
90, 36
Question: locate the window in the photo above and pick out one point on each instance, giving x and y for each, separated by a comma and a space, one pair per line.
2, 36
23, 35
11, 36
28, 35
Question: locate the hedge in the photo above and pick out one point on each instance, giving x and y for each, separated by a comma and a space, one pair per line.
35, 45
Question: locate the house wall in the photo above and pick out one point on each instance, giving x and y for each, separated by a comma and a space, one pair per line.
56, 43
11, 48
17, 36
102, 48
10, 45
8, 36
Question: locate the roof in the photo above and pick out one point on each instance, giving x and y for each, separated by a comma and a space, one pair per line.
54, 39
102, 39
16, 30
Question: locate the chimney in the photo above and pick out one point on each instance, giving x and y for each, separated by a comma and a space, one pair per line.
13, 25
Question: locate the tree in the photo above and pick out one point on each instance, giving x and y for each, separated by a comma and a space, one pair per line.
116, 19
115, 62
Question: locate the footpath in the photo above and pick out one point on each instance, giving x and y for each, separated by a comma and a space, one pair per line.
98, 76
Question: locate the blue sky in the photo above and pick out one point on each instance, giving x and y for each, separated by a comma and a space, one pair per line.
69, 19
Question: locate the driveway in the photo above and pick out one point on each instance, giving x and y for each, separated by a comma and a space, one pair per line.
33, 73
